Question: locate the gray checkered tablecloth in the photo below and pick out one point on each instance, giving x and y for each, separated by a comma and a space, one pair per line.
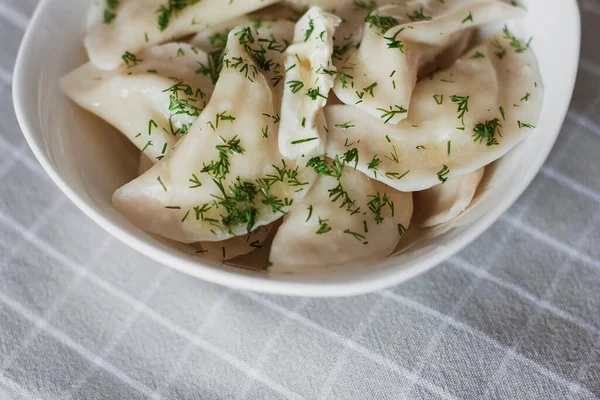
516, 315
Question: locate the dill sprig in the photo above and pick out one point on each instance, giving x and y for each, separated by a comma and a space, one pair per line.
382, 22
165, 12
323, 227
377, 205
486, 131
130, 59
388, 115
394, 43
514, 42
463, 106
220, 168
295, 86
418, 15
110, 11
310, 30
443, 174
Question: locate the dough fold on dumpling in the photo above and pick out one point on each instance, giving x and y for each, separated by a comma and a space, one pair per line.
226, 177
153, 99
443, 203
134, 25
341, 222
226, 249
309, 77
461, 119
381, 74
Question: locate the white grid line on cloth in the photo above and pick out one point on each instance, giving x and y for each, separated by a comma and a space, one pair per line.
54, 307
571, 183
21, 155
377, 358
160, 319
67, 341
518, 290
268, 346
7, 161
210, 315
533, 318
125, 327
6, 167
434, 341
13, 16
589, 66
325, 391
20, 390
584, 367
584, 121
6, 77
37, 225
557, 244
481, 335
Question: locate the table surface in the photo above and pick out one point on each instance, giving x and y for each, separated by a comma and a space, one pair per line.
513, 316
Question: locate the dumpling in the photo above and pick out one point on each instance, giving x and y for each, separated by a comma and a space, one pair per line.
443, 203
460, 120
226, 177
129, 26
381, 74
353, 219
309, 77
153, 99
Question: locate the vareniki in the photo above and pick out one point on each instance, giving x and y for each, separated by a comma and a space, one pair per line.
318, 131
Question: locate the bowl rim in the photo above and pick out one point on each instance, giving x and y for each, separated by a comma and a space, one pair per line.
280, 285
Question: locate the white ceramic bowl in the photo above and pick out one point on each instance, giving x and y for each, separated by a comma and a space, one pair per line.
88, 161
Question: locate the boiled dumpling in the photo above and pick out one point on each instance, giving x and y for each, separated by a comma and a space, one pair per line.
341, 222
443, 203
381, 74
461, 119
153, 99
226, 177
309, 77
129, 26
